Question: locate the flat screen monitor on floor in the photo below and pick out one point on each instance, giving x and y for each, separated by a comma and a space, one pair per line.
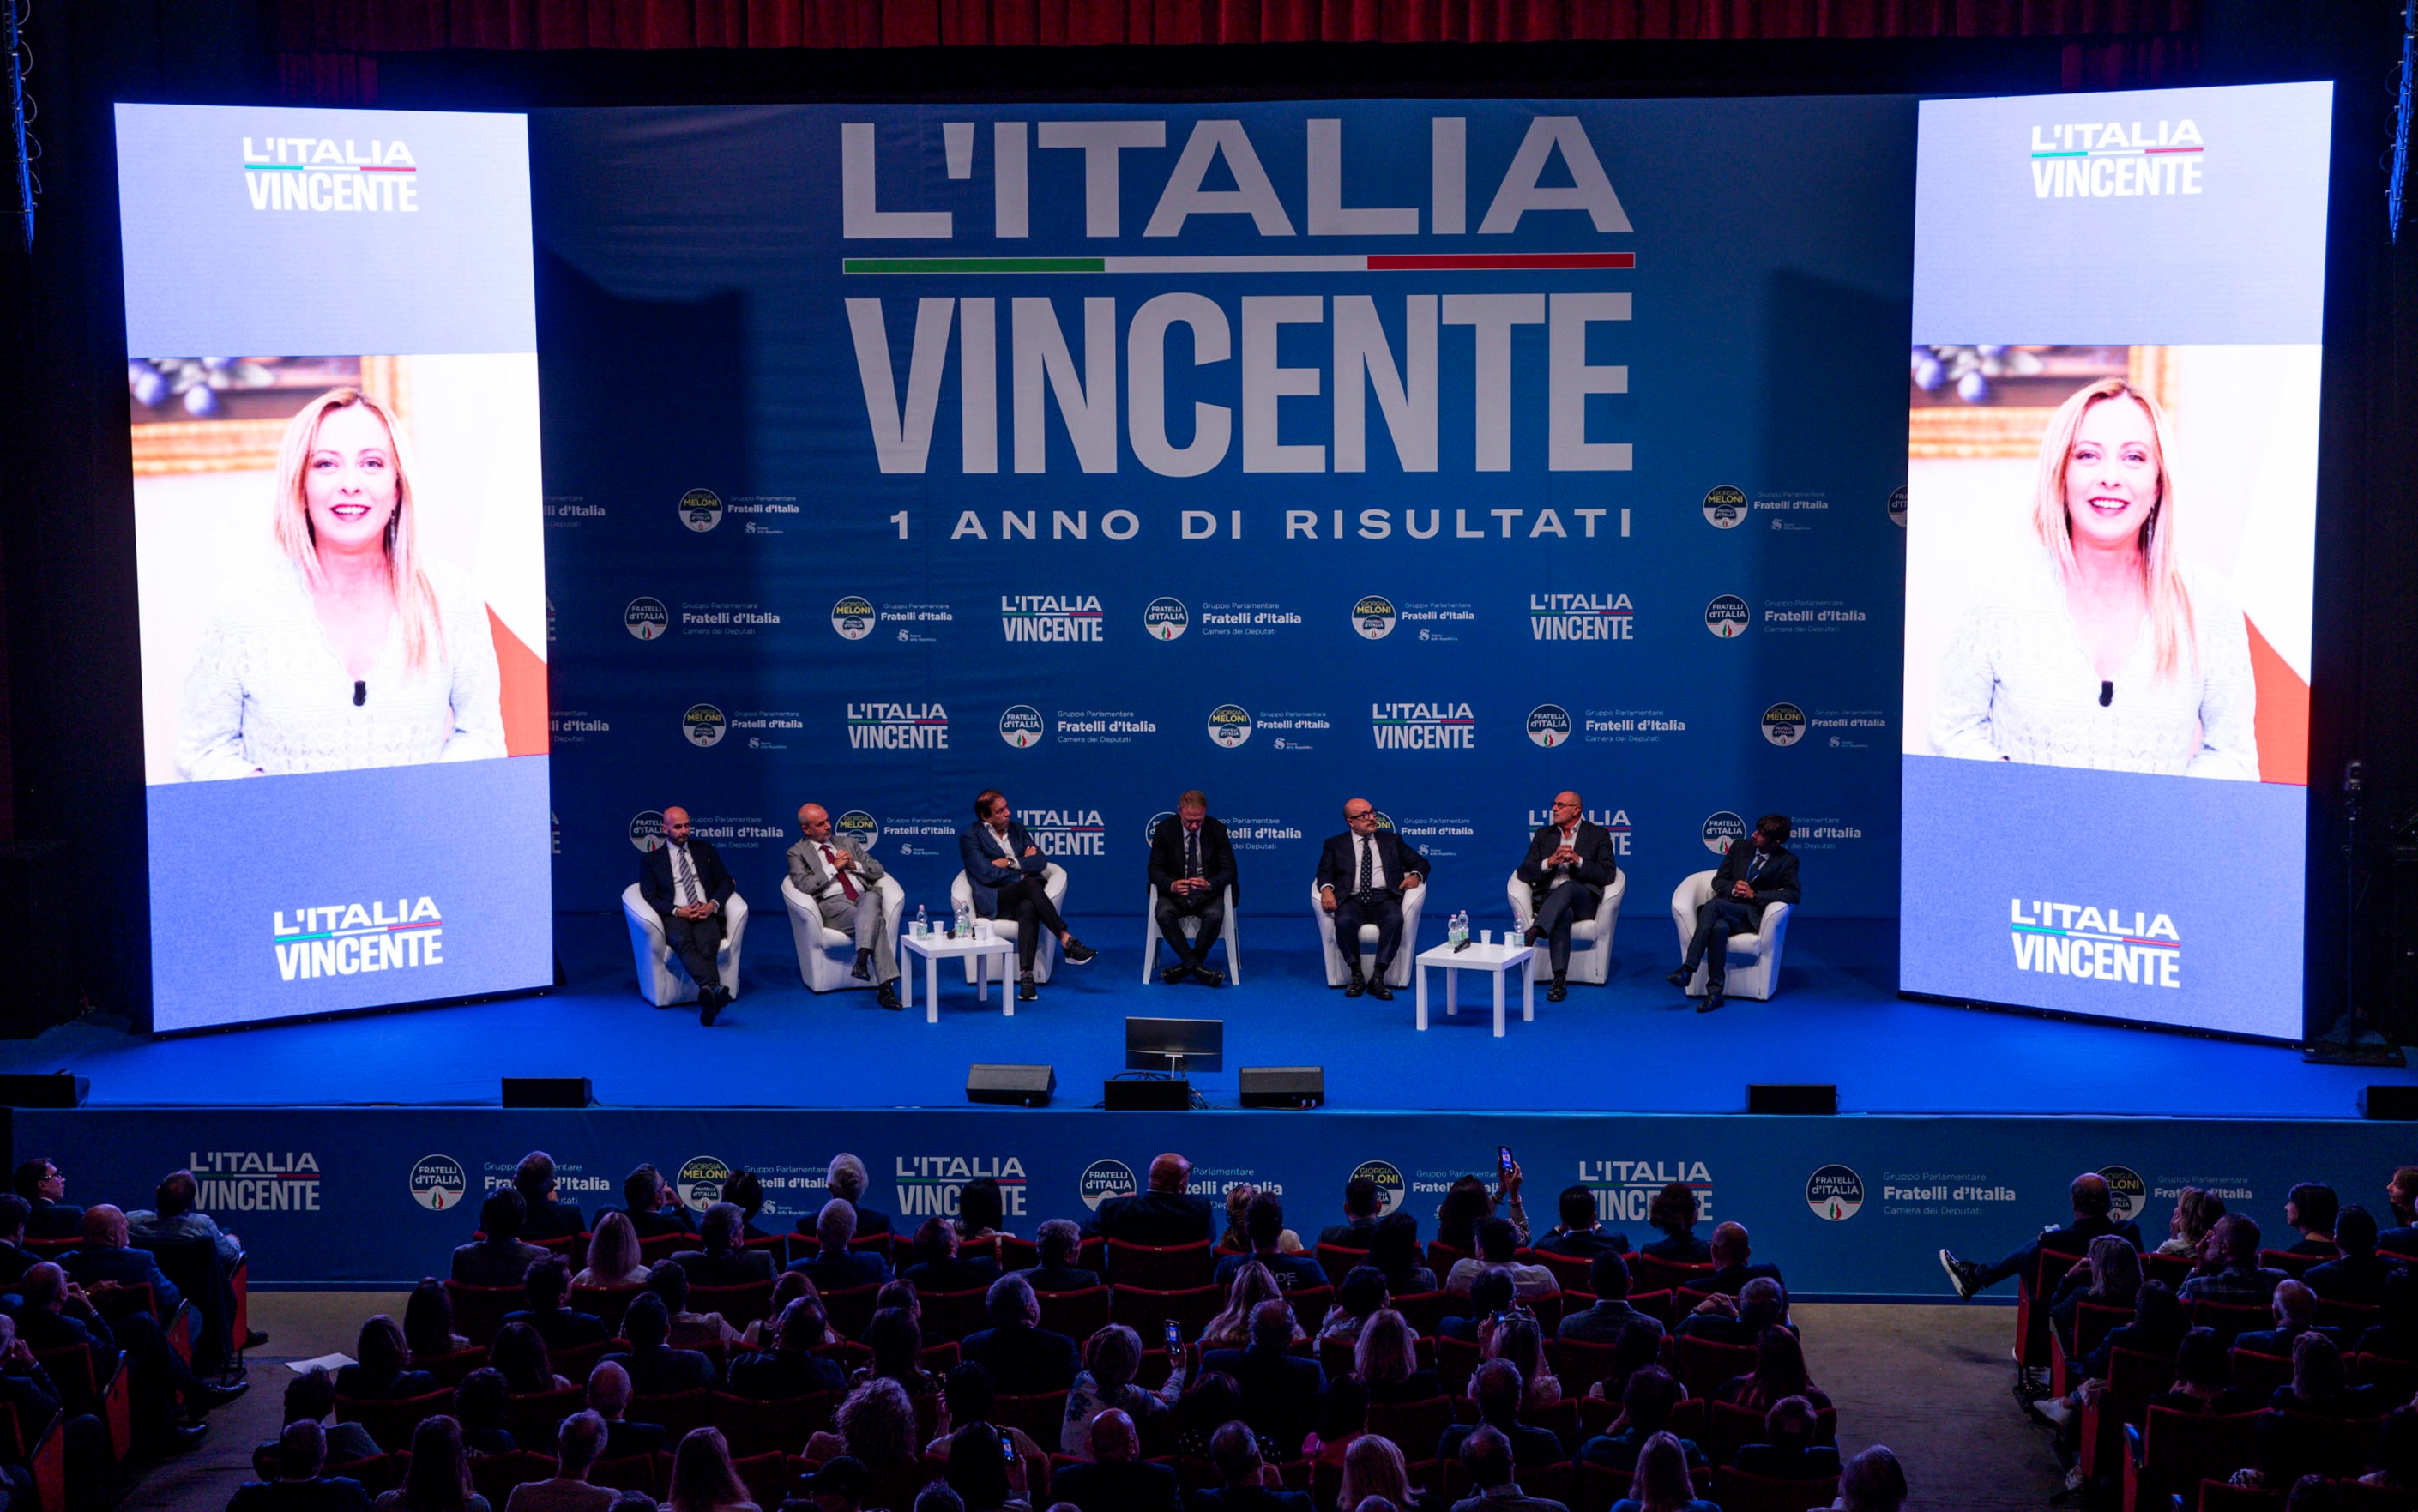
2111, 501
332, 386
1149, 1044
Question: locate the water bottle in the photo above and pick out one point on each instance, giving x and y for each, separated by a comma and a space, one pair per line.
923, 921
965, 925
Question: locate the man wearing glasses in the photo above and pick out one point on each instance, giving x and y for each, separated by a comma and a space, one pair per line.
1569, 863
1362, 876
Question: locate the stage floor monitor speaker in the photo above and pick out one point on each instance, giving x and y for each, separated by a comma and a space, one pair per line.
2400, 1103
1284, 1085
55, 1089
1791, 1097
1155, 1096
548, 1092
1017, 1086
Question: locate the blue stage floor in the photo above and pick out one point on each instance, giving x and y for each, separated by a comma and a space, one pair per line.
1635, 1045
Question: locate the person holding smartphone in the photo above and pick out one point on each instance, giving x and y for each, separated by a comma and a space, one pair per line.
1023, 1358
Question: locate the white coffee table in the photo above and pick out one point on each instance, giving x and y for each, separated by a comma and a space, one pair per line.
934, 949
1493, 958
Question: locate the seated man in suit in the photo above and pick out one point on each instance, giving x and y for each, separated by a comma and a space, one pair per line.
1008, 876
2358, 1276
2091, 1201
1732, 1266
683, 880
1582, 1234
1023, 1358
1490, 1291
579, 1441
1117, 1478
1498, 1388
847, 1180
720, 1260
1488, 1459
790, 1367
1723, 1320
42, 1183
2296, 1313
499, 1258
300, 1484
844, 883
562, 1328
834, 1266
1263, 1222
1250, 1483
1646, 1403
654, 1209
2241, 1281
2309, 1210
1608, 1278
1279, 1388
1788, 1451
937, 1266
1164, 1214
1758, 872
1363, 875
608, 1398
1360, 1205
174, 1218
1498, 1242
1192, 863
654, 1368
1569, 864
549, 1217
1060, 1243
103, 1262
57, 1315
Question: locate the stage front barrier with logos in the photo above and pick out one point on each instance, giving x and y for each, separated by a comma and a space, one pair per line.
1846, 1206
1449, 455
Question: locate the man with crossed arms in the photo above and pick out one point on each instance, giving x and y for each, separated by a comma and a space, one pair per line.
844, 883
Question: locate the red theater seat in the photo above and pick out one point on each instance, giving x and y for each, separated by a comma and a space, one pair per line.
1160, 1267
1077, 1314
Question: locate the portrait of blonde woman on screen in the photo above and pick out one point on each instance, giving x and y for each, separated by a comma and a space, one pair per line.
2104, 646
352, 651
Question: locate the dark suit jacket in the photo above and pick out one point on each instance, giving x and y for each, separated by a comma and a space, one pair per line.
1023, 1362
2402, 1241
1154, 1218
1064, 1278
1777, 884
2317, 1248
327, 1493
1685, 1250
2279, 1342
868, 1223
775, 1374
1216, 859
491, 1262
1279, 1392
551, 1219
43, 1330
1814, 1462
1249, 1499
1122, 1486
54, 1220
1351, 1235
128, 1267
1598, 861
2358, 1278
624, 1439
1292, 1272
836, 1272
15, 1262
1731, 1280
562, 1328
1339, 862
351, 1382
731, 1268
655, 882
656, 1225
959, 1275
1603, 1322
1532, 1448
661, 1371
976, 846
1585, 1245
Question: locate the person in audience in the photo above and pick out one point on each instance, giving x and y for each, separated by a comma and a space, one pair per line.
1264, 1230
613, 1253
653, 1207
546, 1215
2241, 1281
846, 1181
1490, 1460
876, 1424
702, 1477
1519, 1340
2203, 1379
787, 1287
2109, 1276
104, 1261
1236, 1238
744, 1191
1497, 1389
428, 1322
668, 1279
2195, 1213
438, 1479
1386, 1362
1788, 1451
1602, 1321
719, 1258
1759, 1305
1208, 1403
1361, 1204
499, 1258
967, 1397
1661, 1482
2092, 1205
1466, 1205
1871, 1482
2394, 1333
608, 1396
1648, 1399
985, 1478
1060, 1243
384, 1369
1497, 1242
1357, 1301
2319, 1386
1112, 1359
42, 1184
562, 1328
937, 1266
1779, 1373
1582, 1234
1342, 1416
1231, 1328
312, 1396
2396, 1452
982, 1217
2296, 1313
15, 1259
1279, 1388
479, 1402
655, 1369
834, 1266
1675, 1210
1373, 1470
1164, 1214
1023, 1358
1394, 1248
1116, 1478
2309, 1210
1247, 1483
519, 1354
898, 1294
790, 1367
1640, 1344
56, 1314
578, 1443
1490, 1296
300, 1483
2357, 1276
2157, 1329
2401, 1197
173, 1218
898, 1344
1732, 1262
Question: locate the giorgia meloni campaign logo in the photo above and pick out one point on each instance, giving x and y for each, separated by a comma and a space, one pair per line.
1725, 508
704, 725
853, 618
1372, 618
1230, 725
701, 508
330, 174
1391, 1188
699, 1184
1783, 723
347, 938
859, 825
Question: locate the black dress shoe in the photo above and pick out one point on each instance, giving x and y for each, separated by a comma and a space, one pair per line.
1077, 952
887, 995
206, 1398
863, 969
1175, 973
1556, 992
1026, 989
1208, 976
1680, 978
1356, 987
709, 1004
254, 1339
1712, 1000
1532, 936
1378, 990
172, 1438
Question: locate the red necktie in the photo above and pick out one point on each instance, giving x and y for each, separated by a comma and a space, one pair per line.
845, 885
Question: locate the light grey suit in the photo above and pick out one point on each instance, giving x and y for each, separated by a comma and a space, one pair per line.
861, 915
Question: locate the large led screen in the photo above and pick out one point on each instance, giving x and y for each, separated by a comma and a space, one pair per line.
332, 386
2113, 442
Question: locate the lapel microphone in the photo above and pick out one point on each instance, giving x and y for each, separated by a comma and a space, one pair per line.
361, 694
2106, 693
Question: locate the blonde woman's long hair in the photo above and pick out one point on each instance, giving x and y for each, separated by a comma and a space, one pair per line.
415, 597
2162, 563
1373, 1466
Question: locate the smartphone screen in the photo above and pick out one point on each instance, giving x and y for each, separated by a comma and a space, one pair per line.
1503, 1159
1174, 1334
1007, 1446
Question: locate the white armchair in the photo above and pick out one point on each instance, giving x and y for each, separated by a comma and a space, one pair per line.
1400, 973
1045, 958
1760, 972
661, 976
1190, 924
1590, 938
817, 968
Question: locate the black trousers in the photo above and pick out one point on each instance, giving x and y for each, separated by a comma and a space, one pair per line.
1718, 919
1027, 901
1385, 911
1562, 908
696, 942
1206, 905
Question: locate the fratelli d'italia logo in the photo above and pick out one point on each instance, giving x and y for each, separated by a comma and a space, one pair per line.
1020, 727
1722, 830
1166, 620
1897, 505
1372, 618
704, 725
859, 825
1549, 725
647, 832
1150, 830
1834, 1193
1725, 508
701, 508
1104, 1179
854, 617
699, 1184
1727, 616
1391, 1188
438, 1182
1783, 723
1230, 725
647, 619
